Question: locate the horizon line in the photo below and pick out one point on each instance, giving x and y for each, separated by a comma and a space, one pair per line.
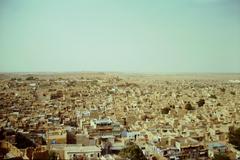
116, 72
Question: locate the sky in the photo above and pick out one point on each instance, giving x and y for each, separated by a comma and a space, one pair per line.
140, 36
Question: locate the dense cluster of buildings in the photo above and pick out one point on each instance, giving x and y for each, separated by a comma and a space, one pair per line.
93, 117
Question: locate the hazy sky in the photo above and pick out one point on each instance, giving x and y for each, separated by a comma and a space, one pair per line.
120, 35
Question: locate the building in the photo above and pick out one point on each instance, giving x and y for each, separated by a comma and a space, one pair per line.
58, 136
72, 151
101, 127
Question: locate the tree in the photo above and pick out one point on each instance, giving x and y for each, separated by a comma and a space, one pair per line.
201, 102
213, 96
166, 110
188, 106
223, 89
233, 93
133, 152
234, 137
221, 156
23, 142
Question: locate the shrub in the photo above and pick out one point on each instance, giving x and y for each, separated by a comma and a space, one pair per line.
213, 96
188, 106
165, 110
221, 156
133, 152
201, 102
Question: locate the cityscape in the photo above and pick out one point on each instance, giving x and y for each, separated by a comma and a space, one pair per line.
105, 115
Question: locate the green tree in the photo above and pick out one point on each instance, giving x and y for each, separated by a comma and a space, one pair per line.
213, 96
233, 93
221, 156
23, 141
188, 106
234, 137
133, 152
201, 102
166, 110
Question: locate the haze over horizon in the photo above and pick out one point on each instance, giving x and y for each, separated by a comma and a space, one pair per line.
120, 36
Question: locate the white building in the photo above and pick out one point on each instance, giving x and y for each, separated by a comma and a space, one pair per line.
69, 151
